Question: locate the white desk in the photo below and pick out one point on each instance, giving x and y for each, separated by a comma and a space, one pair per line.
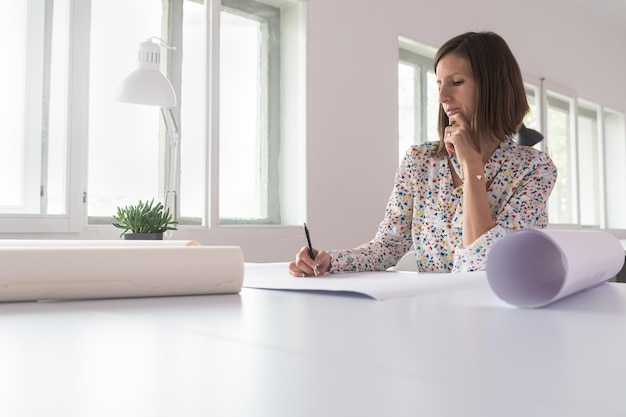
280, 353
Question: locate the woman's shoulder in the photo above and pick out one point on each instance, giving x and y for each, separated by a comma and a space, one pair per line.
525, 152
422, 150
528, 155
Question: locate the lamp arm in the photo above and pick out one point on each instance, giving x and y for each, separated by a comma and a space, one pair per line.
171, 170
162, 43
170, 122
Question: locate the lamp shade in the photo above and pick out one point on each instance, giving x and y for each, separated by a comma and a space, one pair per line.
528, 137
146, 85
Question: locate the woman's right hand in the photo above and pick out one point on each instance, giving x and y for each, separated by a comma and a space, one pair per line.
304, 266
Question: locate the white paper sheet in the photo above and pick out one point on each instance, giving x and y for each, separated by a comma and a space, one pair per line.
78, 272
533, 268
378, 285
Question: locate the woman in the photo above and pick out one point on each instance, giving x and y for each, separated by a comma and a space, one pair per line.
454, 199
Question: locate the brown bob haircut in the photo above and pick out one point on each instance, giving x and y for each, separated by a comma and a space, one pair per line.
501, 102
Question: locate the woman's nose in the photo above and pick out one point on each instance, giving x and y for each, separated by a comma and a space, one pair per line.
443, 94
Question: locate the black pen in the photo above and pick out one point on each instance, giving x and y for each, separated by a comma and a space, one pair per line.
308, 242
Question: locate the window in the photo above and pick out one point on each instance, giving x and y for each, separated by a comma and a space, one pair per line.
249, 112
249, 116
531, 120
408, 107
613, 139
418, 103
33, 108
580, 137
124, 140
562, 208
590, 160
586, 142
74, 153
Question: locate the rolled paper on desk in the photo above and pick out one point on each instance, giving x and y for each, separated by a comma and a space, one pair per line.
91, 242
81, 272
532, 268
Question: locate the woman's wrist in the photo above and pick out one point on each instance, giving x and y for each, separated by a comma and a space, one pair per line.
473, 177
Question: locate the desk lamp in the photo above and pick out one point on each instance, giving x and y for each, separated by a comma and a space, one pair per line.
528, 137
146, 85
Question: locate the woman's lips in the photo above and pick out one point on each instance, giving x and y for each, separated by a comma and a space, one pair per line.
450, 112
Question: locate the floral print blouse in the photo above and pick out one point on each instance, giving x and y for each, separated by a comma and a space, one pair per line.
425, 210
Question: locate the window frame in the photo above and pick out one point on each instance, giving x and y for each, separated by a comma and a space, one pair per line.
566, 102
424, 64
292, 161
593, 112
16, 224
609, 135
76, 221
421, 59
613, 140
271, 123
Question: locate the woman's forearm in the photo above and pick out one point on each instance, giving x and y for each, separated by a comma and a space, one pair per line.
477, 219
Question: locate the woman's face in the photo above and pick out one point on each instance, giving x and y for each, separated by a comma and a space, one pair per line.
456, 84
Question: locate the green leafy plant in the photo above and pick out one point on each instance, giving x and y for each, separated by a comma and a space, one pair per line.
145, 217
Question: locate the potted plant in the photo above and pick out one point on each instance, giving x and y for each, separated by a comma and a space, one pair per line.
145, 220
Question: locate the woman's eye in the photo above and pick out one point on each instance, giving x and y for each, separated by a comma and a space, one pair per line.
457, 83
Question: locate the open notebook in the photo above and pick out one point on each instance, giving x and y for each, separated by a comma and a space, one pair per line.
82, 269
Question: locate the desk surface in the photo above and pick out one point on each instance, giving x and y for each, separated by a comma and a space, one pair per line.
281, 353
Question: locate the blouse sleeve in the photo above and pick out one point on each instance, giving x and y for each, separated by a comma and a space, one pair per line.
393, 238
525, 208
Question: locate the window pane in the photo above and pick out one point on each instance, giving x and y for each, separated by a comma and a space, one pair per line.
615, 168
531, 120
123, 137
432, 107
243, 129
561, 206
408, 114
418, 100
33, 107
193, 115
55, 173
13, 20
589, 167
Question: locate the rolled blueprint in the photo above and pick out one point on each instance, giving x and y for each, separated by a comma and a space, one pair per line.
532, 268
70, 271
91, 242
